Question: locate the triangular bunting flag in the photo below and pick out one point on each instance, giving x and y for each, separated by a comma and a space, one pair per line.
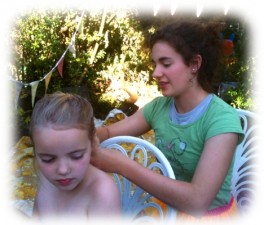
47, 80
16, 89
34, 86
80, 28
72, 47
60, 66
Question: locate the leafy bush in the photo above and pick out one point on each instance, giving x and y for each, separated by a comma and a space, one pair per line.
108, 47
240, 66
111, 58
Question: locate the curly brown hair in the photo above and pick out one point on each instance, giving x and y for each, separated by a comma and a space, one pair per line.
190, 38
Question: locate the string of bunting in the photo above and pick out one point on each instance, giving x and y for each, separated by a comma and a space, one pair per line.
47, 77
72, 49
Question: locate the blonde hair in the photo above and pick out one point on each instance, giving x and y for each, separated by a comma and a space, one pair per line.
63, 111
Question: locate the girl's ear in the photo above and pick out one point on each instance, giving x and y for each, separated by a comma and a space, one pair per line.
95, 141
196, 63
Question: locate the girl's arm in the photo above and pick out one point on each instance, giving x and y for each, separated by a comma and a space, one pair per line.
193, 198
134, 125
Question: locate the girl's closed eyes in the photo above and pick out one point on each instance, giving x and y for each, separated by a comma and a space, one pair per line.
75, 155
45, 158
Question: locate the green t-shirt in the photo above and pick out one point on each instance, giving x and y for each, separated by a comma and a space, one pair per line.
183, 144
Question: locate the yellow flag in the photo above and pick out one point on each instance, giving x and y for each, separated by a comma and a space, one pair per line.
47, 80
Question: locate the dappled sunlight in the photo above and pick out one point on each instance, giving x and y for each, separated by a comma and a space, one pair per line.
138, 93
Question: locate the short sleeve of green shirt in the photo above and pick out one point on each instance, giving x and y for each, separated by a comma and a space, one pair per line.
219, 118
222, 118
183, 144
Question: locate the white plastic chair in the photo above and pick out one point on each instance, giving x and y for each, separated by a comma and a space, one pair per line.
244, 170
136, 201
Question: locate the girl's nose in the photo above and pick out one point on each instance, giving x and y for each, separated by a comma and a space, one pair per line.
63, 168
157, 72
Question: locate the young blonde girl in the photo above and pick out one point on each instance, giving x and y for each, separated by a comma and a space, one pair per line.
63, 134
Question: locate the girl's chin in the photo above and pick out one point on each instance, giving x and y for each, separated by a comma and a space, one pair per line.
166, 93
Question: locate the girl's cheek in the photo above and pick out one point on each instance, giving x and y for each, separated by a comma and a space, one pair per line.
45, 168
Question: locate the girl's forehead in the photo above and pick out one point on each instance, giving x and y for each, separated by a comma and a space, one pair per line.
59, 130
49, 139
162, 50
162, 45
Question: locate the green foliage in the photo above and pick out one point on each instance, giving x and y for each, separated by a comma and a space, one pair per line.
108, 46
110, 56
240, 66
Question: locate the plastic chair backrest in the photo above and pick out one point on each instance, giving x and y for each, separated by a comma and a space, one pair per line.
244, 171
137, 204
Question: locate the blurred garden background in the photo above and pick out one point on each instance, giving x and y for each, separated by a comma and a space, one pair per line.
102, 55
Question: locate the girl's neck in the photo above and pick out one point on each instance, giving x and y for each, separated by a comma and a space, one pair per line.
188, 101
